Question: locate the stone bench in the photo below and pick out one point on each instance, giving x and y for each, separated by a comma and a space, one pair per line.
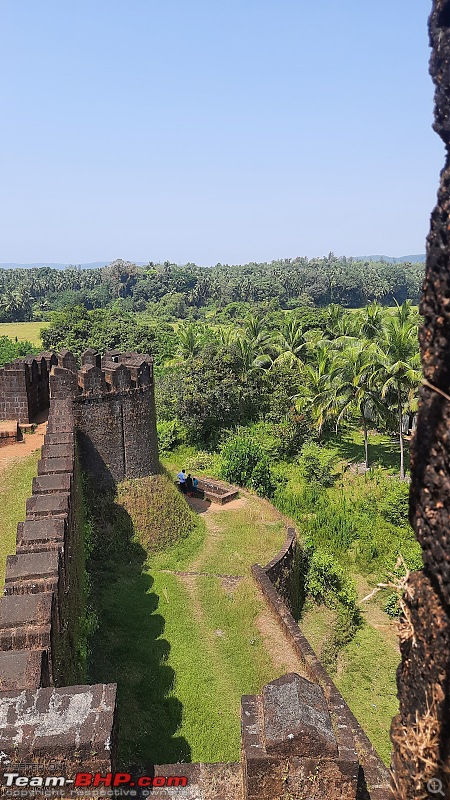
215, 491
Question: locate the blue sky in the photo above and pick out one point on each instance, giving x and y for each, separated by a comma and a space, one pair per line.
214, 130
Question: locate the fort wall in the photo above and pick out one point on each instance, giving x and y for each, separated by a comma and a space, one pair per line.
46, 714
24, 387
274, 582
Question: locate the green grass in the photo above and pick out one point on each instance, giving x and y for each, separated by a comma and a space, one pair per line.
24, 331
366, 679
252, 535
365, 675
181, 653
15, 488
384, 451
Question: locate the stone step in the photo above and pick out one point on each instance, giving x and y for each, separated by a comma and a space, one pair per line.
47, 533
55, 466
32, 609
58, 450
59, 438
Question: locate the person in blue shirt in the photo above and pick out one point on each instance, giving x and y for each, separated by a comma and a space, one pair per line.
181, 477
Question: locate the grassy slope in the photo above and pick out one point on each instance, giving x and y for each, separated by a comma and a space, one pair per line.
365, 675
366, 678
25, 331
183, 654
367, 666
15, 488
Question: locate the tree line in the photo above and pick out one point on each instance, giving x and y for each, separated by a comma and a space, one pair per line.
171, 291
362, 368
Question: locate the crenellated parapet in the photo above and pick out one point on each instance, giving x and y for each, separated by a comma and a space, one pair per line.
115, 416
24, 383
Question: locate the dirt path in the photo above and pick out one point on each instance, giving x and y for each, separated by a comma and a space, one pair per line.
13, 453
283, 656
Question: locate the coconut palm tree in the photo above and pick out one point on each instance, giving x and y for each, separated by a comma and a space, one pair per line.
256, 333
398, 371
249, 356
316, 392
371, 319
189, 342
290, 344
226, 336
352, 388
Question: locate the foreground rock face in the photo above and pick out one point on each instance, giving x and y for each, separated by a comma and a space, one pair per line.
421, 732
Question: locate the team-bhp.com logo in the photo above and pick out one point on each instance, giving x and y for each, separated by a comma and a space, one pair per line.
92, 780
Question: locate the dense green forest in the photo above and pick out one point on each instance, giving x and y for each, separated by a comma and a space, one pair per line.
179, 292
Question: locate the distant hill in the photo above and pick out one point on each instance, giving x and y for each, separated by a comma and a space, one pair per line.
91, 265
95, 264
390, 260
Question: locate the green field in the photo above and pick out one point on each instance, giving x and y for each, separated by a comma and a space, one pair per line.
23, 331
15, 488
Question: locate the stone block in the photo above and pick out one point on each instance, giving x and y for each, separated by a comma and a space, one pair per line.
47, 533
23, 669
30, 573
91, 357
54, 466
73, 725
296, 719
26, 622
58, 450
45, 484
55, 504
59, 438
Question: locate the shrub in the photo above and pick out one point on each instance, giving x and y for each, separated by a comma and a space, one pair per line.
392, 606
169, 435
327, 582
394, 506
244, 463
159, 513
347, 623
316, 463
240, 456
262, 480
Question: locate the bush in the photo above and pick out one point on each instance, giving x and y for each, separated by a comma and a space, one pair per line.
327, 582
244, 463
262, 480
347, 623
240, 455
394, 506
316, 463
10, 349
169, 435
392, 606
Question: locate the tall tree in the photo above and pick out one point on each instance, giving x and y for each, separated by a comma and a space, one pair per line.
399, 368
